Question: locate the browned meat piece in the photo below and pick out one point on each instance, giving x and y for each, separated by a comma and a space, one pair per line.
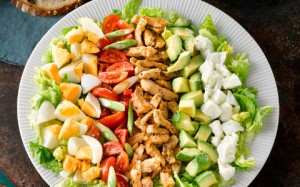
138, 138
148, 96
166, 179
172, 142
150, 64
138, 102
140, 125
139, 31
158, 139
153, 151
136, 174
169, 75
154, 22
138, 69
133, 61
160, 120
173, 106
149, 38
144, 120
164, 109
176, 167
154, 129
147, 182
159, 57
157, 30
160, 42
140, 51
135, 146
149, 165
168, 150
150, 74
164, 84
135, 19
137, 156
155, 100
153, 88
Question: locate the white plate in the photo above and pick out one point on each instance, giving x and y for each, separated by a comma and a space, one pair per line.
260, 73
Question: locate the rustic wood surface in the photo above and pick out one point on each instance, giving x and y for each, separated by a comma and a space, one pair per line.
275, 25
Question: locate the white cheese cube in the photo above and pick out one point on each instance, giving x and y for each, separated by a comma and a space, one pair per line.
204, 45
207, 93
231, 99
226, 171
211, 109
216, 128
206, 67
219, 82
231, 127
218, 97
226, 112
217, 57
215, 140
222, 70
231, 82
227, 148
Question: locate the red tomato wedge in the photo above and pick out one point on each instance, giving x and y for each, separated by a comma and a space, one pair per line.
105, 165
102, 43
113, 77
105, 112
113, 120
121, 182
121, 24
109, 23
121, 66
103, 67
106, 93
122, 135
113, 56
127, 92
122, 163
112, 148
94, 132
123, 125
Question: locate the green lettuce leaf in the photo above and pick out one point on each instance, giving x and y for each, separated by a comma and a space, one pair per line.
68, 29
239, 65
118, 12
151, 12
170, 16
47, 56
68, 182
209, 25
130, 9
226, 47
244, 164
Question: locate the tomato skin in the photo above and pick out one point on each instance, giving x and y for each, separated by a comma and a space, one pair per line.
113, 120
122, 135
105, 165
113, 77
122, 163
112, 148
127, 92
103, 67
105, 112
121, 182
102, 42
121, 66
109, 23
121, 24
123, 125
113, 56
94, 132
106, 93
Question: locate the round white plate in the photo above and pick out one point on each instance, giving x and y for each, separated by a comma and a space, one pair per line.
260, 73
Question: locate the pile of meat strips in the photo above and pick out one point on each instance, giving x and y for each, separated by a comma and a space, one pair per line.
154, 141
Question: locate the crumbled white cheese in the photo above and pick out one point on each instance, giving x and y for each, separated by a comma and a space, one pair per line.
231, 127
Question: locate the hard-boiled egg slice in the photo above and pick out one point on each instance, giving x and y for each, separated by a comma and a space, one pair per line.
46, 112
67, 110
74, 144
74, 36
71, 128
70, 164
50, 136
70, 91
51, 71
88, 47
76, 51
61, 56
73, 71
91, 173
65, 174
90, 64
78, 177
97, 151
91, 106
89, 82
84, 153
90, 26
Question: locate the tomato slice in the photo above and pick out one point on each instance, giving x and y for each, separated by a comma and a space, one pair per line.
106, 93
122, 135
113, 56
113, 120
122, 163
105, 112
121, 66
123, 125
109, 23
121, 24
127, 92
113, 77
121, 182
94, 132
112, 148
102, 43
105, 165
103, 67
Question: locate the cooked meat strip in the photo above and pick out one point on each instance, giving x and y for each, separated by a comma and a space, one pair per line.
149, 38
139, 31
135, 19
140, 125
147, 182
138, 138
150, 164
168, 151
154, 129
140, 51
154, 22
158, 139
160, 42
172, 142
173, 106
167, 75
133, 61
139, 104
144, 120
150, 64
164, 109
164, 84
136, 174
153, 151
139, 68
150, 74
166, 179
153, 88
176, 167
157, 30
159, 57
160, 120
155, 100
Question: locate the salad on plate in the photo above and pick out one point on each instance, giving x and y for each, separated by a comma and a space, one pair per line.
144, 98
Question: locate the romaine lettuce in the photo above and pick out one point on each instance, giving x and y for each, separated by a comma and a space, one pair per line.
130, 9
151, 12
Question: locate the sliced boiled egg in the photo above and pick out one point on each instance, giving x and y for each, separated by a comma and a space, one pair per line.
65, 174
84, 153
91, 173
51, 71
70, 91
88, 47
74, 36
46, 112
76, 51
74, 144
78, 177
97, 151
73, 71
71, 128
70, 164
91, 106
89, 82
61, 56
68, 110
90, 64
50, 136
89, 25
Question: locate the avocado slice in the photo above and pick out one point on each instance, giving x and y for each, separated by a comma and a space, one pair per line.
195, 81
182, 61
180, 85
189, 44
201, 117
198, 164
188, 106
206, 179
182, 32
182, 121
203, 133
193, 66
186, 141
196, 127
182, 22
209, 149
174, 46
187, 154
196, 96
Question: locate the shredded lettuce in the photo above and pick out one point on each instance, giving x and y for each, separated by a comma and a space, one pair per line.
151, 12
47, 56
244, 164
239, 65
170, 16
69, 182
130, 9
209, 25
68, 29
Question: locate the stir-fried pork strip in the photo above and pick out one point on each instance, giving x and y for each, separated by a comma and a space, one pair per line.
164, 84
149, 38
173, 106
154, 129
160, 120
139, 31
147, 182
154, 22
140, 51
139, 104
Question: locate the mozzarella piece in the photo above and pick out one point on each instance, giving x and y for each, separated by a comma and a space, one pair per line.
211, 109
89, 82
204, 45
207, 94
46, 112
231, 127
218, 82
76, 51
218, 97
222, 70
74, 144
226, 112
97, 151
226, 171
227, 148
231, 82
217, 57
206, 67
216, 128
215, 140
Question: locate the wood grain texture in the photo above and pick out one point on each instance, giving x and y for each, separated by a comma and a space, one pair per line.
274, 24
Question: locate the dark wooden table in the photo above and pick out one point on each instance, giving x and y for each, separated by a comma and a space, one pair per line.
275, 25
